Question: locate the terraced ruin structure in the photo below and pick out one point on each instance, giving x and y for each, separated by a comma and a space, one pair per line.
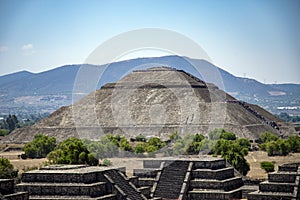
205, 178
281, 185
7, 191
155, 102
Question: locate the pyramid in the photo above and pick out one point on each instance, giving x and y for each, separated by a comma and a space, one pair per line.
155, 102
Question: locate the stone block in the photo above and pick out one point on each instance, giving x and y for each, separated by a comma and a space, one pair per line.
218, 174
6, 186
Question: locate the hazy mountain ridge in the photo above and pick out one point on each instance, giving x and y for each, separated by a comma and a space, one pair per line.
59, 82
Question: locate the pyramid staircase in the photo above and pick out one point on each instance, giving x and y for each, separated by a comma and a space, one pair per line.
171, 180
281, 185
187, 179
123, 185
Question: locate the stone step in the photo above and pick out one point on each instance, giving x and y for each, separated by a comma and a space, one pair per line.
37, 176
210, 164
145, 190
208, 194
270, 196
219, 174
104, 197
267, 186
123, 183
289, 167
16, 196
226, 185
146, 172
171, 180
70, 189
146, 181
283, 177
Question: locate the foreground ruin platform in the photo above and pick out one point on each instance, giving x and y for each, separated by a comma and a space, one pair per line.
200, 178
281, 185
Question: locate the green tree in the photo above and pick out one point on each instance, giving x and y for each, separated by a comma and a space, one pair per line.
268, 137
12, 122
294, 143
7, 169
284, 147
140, 138
174, 136
125, 145
243, 142
72, 151
40, 146
4, 132
228, 136
267, 166
155, 141
271, 148
140, 148
233, 153
215, 134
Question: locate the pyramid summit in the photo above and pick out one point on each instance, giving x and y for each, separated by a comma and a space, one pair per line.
155, 102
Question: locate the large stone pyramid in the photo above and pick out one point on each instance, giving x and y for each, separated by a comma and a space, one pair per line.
156, 101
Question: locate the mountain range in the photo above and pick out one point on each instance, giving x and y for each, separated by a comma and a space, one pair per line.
26, 93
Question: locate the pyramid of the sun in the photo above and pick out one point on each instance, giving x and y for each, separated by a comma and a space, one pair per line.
156, 101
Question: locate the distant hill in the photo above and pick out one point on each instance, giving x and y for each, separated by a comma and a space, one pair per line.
51, 89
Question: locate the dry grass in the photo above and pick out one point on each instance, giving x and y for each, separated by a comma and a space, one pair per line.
256, 157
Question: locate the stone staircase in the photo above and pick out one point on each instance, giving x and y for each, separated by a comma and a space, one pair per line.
187, 179
281, 185
123, 185
67, 182
213, 180
171, 179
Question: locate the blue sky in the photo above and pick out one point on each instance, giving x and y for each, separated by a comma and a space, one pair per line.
258, 38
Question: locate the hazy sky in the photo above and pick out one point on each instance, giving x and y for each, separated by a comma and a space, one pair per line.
257, 38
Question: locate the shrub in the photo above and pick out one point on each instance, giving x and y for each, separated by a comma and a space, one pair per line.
40, 146
140, 138
227, 136
140, 148
106, 163
267, 166
294, 142
72, 151
4, 132
215, 134
7, 169
268, 137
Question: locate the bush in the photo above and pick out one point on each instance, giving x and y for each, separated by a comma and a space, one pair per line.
140, 138
294, 142
7, 169
140, 148
215, 134
106, 163
268, 137
40, 146
267, 166
4, 132
72, 151
227, 136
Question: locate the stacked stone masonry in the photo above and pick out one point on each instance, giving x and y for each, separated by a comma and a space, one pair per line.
7, 191
281, 185
204, 178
